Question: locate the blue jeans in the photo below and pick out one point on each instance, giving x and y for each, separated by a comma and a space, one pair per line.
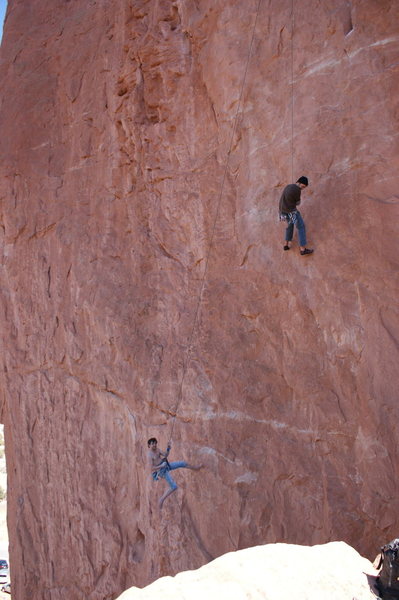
295, 218
181, 464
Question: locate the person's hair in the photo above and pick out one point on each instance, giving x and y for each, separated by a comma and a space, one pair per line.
151, 440
303, 180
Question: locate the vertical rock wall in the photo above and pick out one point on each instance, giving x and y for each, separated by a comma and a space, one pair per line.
141, 255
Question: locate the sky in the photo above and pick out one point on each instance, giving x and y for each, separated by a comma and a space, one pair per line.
3, 6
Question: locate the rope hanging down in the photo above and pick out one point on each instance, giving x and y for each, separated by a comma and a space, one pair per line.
187, 358
292, 88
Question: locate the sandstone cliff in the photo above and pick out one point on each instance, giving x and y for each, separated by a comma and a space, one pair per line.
144, 146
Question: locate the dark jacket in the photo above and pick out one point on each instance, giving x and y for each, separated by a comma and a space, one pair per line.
290, 198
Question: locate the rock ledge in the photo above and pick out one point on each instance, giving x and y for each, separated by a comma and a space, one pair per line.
333, 571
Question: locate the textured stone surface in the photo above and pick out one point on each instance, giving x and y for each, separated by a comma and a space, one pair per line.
334, 571
116, 124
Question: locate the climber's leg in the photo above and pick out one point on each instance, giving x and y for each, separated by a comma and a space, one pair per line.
172, 488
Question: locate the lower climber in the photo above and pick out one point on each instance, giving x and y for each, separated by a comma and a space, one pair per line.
290, 199
161, 467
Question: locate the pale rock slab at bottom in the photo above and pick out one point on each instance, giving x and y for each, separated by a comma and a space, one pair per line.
333, 571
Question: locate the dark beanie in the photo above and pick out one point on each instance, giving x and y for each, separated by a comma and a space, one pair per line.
303, 180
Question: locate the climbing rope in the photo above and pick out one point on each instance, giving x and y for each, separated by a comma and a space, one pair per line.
189, 348
292, 88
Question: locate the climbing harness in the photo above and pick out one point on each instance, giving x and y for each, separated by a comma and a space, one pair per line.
235, 122
290, 218
161, 472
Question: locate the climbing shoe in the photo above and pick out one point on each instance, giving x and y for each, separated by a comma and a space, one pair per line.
307, 251
286, 247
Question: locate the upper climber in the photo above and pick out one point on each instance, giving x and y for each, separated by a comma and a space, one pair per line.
290, 199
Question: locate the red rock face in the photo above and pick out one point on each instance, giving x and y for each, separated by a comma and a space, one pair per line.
144, 148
